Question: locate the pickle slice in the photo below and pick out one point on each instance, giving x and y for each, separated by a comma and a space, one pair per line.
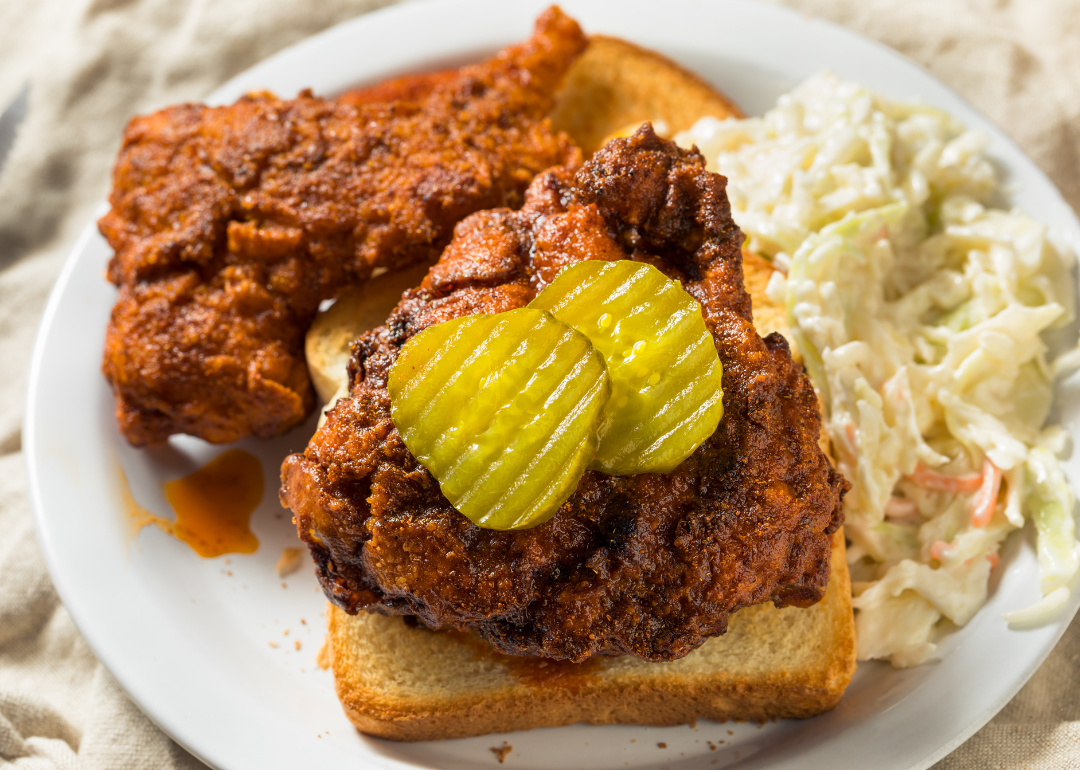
503, 410
666, 396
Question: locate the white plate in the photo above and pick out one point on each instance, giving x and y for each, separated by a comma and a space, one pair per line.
189, 638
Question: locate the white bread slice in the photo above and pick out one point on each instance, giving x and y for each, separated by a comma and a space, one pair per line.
359, 309
769, 316
615, 86
411, 684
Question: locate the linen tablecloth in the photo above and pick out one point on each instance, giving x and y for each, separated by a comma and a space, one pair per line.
94, 63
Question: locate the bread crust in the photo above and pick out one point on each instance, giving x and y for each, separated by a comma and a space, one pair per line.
616, 84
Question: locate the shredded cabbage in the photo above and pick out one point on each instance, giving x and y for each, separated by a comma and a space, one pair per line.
918, 309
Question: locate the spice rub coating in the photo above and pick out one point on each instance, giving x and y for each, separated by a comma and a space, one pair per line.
231, 224
649, 565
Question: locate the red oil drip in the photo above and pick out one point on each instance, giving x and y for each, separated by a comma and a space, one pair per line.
214, 504
531, 670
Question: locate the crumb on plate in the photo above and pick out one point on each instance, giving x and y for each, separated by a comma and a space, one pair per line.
290, 561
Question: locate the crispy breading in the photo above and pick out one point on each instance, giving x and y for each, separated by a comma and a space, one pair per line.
231, 224
649, 565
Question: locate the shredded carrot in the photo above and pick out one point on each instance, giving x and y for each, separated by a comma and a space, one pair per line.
929, 479
900, 508
994, 560
986, 500
939, 550
850, 431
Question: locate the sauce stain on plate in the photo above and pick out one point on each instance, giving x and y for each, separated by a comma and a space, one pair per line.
213, 505
137, 516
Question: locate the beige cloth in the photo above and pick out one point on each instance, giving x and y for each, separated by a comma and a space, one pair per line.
93, 63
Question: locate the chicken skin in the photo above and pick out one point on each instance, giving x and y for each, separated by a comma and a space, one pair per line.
231, 224
649, 565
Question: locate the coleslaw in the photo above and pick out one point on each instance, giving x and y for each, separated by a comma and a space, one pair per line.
919, 310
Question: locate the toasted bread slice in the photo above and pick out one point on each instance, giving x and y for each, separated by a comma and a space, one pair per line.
769, 316
411, 684
358, 309
615, 86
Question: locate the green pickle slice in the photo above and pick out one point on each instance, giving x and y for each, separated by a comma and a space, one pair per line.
666, 396
503, 410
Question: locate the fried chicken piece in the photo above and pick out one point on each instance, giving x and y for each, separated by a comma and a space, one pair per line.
231, 225
649, 565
